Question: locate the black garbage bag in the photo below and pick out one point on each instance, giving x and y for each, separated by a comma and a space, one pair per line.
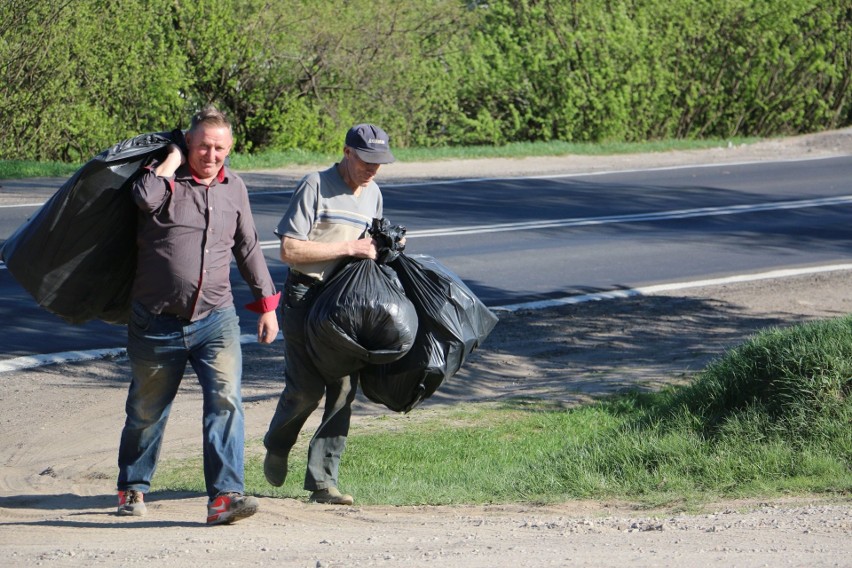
77, 254
452, 322
360, 316
388, 239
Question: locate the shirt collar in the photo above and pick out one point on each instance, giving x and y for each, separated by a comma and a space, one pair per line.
220, 177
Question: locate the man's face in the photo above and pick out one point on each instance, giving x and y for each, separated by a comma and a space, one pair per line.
357, 169
207, 148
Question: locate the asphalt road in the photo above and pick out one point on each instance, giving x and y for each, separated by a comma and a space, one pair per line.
526, 239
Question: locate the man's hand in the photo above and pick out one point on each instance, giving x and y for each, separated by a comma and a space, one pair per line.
171, 163
364, 248
267, 327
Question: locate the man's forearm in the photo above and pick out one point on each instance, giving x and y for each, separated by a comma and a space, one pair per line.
294, 251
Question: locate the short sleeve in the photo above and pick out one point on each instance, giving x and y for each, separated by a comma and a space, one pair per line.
301, 212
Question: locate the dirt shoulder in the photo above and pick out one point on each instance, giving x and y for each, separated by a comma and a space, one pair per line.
820, 145
61, 425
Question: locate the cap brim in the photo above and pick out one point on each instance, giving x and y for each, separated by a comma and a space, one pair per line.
375, 157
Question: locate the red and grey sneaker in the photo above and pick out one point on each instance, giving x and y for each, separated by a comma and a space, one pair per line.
131, 503
230, 507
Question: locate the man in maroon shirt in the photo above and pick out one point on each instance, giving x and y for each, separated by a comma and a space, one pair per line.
194, 216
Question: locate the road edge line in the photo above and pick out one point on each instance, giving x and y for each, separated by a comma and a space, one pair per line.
34, 361
656, 289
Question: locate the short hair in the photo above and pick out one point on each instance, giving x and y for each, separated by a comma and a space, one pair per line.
209, 116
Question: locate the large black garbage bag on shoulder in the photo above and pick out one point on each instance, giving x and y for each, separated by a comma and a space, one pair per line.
360, 316
452, 323
77, 254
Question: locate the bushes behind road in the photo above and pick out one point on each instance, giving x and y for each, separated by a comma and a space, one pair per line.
77, 77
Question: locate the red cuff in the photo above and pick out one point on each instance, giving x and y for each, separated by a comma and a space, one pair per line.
264, 305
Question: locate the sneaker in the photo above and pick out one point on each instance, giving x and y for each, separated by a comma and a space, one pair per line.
131, 503
331, 496
229, 508
275, 468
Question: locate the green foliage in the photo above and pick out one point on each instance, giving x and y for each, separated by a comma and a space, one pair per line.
652, 69
757, 67
69, 89
76, 77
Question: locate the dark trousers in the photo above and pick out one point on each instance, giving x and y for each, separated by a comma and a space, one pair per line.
304, 387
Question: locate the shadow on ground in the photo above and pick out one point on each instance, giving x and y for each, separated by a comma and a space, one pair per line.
565, 355
570, 353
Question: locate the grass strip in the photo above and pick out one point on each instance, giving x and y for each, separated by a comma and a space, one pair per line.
272, 159
772, 417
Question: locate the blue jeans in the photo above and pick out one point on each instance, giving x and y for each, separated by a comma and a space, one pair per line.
159, 347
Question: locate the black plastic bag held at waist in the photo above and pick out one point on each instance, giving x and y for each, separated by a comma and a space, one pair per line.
452, 322
359, 316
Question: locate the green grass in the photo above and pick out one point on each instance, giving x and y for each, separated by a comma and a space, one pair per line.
17, 169
21, 169
771, 418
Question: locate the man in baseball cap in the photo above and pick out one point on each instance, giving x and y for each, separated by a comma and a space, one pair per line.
325, 226
370, 143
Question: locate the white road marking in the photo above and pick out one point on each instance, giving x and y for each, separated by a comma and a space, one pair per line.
614, 219
22, 205
651, 290
32, 361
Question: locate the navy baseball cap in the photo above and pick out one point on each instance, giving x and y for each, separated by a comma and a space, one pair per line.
371, 143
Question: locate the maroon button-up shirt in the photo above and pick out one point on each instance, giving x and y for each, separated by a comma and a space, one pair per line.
186, 236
